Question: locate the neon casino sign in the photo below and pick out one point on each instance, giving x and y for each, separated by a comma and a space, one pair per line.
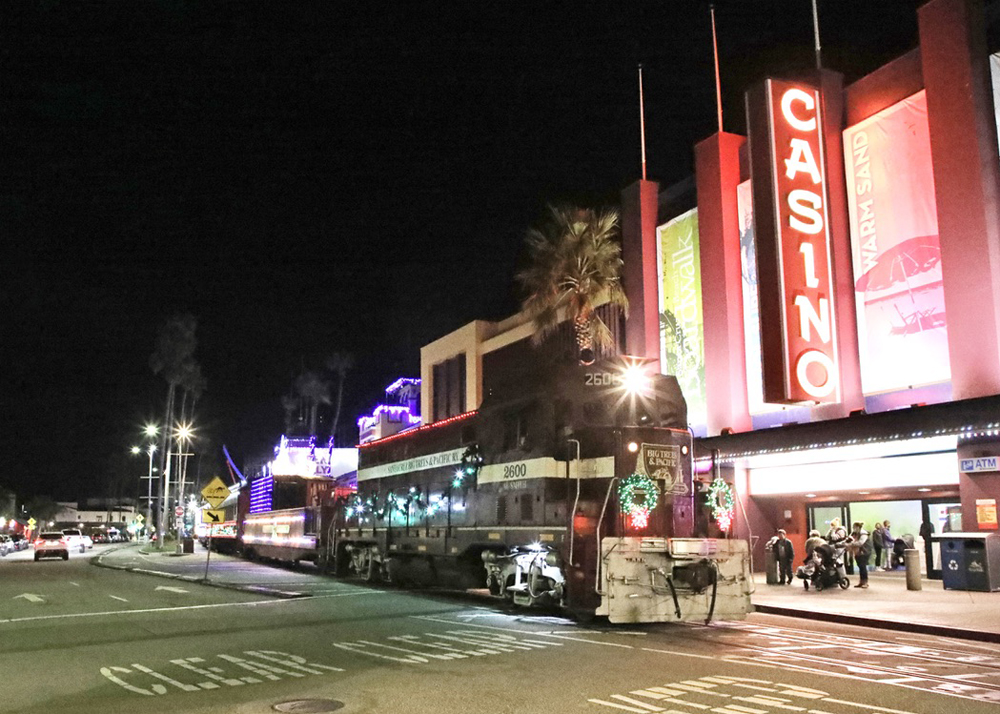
788, 170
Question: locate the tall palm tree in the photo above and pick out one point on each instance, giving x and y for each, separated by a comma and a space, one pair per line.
575, 262
175, 345
340, 363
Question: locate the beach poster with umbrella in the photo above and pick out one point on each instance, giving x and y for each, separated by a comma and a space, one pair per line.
899, 291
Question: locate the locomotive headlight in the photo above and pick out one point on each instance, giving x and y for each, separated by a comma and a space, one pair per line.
633, 447
634, 380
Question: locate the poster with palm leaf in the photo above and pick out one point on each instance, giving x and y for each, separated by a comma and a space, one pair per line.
681, 326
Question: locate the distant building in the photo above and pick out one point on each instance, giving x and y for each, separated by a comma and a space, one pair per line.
400, 411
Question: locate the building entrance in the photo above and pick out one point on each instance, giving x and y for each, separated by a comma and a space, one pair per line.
906, 520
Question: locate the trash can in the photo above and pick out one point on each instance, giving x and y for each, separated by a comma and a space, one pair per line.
970, 561
770, 565
189, 545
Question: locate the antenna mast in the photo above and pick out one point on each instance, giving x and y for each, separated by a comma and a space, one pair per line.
718, 82
642, 125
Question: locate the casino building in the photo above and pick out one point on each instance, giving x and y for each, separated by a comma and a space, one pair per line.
827, 292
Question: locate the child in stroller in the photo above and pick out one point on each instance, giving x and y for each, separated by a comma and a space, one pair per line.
898, 546
824, 569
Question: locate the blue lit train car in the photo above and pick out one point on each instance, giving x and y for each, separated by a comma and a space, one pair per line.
287, 512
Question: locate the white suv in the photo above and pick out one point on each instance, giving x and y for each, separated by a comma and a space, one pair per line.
77, 539
51, 544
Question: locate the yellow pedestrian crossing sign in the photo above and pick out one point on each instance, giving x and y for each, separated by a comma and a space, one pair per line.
215, 493
32, 523
139, 518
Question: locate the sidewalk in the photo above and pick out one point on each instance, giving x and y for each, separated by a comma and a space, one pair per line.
887, 604
224, 571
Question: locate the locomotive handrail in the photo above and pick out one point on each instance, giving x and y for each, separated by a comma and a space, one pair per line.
600, 555
576, 501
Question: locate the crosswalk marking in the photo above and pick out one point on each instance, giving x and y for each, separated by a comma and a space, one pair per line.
642, 705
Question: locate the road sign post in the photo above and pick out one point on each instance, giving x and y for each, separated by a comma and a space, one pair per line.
214, 493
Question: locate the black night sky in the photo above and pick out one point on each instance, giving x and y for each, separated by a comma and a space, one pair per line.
322, 176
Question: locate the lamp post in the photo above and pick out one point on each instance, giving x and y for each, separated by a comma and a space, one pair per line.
150, 431
183, 433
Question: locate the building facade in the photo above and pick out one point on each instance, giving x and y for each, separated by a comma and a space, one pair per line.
828, 294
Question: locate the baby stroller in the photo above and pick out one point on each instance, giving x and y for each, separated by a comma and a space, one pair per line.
902, 543
825, 569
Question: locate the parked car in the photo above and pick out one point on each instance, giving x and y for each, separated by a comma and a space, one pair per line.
6, 545
51, 544
77, 539
20, 542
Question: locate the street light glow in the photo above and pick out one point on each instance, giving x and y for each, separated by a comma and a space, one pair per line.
151, 430
135, 450
184, 432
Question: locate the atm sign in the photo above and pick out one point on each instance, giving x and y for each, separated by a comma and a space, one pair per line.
984, 463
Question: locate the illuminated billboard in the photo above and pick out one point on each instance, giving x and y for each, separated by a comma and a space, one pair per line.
898, 284
795, 287
682, 337
751, 306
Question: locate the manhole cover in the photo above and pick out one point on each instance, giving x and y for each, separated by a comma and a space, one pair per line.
309, 706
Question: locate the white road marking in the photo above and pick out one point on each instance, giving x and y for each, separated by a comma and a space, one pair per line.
642, 705
177, 608
74, 584
115, 597
772, 703
523, 632
623, 707
30, 597
171, 589
679, 654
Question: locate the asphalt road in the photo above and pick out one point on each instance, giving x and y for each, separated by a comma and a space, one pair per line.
92, 640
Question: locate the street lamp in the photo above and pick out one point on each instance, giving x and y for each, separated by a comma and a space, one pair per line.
183, 433
150, 431
151, 449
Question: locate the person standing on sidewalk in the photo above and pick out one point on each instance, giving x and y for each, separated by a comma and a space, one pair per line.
861, 546
784, 553
888, 544
876, 539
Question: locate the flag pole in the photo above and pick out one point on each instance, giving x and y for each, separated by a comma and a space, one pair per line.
642, 125
819, 63
718, 82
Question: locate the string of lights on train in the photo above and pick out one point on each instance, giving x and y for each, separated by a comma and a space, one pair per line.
963, 433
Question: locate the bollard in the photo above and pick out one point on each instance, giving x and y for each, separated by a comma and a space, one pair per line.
911, 557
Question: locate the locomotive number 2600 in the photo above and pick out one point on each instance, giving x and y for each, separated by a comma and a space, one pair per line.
515, 470
602, 379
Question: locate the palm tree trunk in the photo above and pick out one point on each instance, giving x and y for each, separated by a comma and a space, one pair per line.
165, 462
336, 413
584, 338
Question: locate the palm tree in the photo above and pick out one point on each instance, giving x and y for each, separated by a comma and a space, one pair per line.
175, 345
313, 390
340, 363
575, 262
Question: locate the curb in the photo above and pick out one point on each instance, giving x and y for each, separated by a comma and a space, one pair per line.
915, 627
255, 589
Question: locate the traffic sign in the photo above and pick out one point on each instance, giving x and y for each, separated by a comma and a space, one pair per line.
210, 516
32, 523
215, 493
179, 511
139, 518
